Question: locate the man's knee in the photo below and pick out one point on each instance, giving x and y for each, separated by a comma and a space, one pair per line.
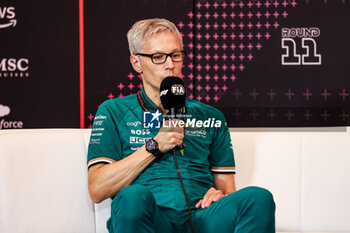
132, 199
133, 204
258, 192
259, 197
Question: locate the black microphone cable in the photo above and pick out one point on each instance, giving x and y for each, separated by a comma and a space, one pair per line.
183, 189
173, 97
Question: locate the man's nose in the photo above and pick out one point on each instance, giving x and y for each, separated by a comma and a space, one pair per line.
169, 63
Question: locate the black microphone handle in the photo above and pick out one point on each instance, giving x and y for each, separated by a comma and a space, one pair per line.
173, 116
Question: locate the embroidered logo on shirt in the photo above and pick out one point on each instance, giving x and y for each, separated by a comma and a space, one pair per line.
138, 140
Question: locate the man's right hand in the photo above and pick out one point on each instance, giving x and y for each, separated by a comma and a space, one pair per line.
170, 135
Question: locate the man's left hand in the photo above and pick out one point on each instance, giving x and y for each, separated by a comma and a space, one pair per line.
213, 195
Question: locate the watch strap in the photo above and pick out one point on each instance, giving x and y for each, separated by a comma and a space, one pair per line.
156, 152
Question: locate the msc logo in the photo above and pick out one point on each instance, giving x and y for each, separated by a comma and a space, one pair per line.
7, 13
151, 119
307, 54
12, 67
13, 64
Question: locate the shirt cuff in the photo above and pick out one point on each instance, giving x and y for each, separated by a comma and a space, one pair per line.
95, 161
223, 170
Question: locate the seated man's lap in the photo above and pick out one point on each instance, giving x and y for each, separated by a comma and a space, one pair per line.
245, 209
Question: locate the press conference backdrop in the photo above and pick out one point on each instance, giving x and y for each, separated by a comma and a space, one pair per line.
263, 63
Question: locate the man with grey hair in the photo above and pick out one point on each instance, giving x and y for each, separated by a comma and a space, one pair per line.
134, 165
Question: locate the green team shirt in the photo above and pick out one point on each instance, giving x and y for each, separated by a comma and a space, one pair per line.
118, 131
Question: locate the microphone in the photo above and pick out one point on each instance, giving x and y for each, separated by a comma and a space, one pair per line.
173, 96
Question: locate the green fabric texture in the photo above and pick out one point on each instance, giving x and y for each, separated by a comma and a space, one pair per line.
249, 210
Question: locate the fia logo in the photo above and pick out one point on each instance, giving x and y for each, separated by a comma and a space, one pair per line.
151, 119
178, 89
7, 13
307, 54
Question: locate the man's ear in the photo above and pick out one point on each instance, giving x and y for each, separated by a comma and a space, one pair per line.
136, 63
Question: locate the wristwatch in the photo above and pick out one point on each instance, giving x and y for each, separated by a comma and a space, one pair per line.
152, 147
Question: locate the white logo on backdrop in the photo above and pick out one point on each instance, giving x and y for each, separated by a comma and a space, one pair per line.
13, 67
4, 110
293, 38
8, 14
4, 124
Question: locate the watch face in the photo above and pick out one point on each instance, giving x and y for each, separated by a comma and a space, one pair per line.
151, 145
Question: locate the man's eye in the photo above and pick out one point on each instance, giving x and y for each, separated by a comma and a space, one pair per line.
158, 56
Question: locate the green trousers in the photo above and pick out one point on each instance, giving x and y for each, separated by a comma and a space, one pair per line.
249, 210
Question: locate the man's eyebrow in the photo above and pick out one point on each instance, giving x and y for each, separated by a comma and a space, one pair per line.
174, 50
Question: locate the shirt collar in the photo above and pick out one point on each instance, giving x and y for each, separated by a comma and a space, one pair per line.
147, 101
